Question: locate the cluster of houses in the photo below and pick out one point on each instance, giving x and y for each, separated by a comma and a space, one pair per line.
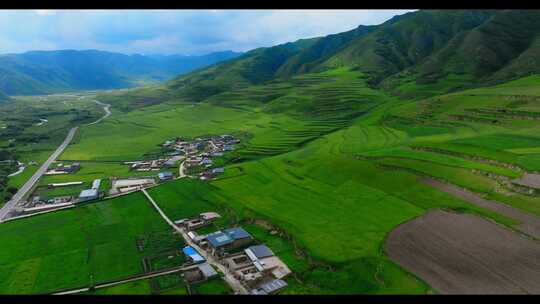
199, 152
37, 204
214, 145
254, 265
64, 169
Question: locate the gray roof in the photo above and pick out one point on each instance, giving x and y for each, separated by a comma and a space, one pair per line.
237, 233
273, 286
165, 174
261, 251
88, 193
218, 239
207, 270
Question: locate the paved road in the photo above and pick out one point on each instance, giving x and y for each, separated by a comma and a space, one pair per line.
6, 209
229, 278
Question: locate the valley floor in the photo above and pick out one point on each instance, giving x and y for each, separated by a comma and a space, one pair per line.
335, 167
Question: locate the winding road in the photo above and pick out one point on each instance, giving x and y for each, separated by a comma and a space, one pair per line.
10, 205
106, 108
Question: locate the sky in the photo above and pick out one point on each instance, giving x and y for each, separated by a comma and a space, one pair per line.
187, 32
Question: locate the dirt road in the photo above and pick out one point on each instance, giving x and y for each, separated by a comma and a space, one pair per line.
229, 278
136, 278
106, 108
466, 254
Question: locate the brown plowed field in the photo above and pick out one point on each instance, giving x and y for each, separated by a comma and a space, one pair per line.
530, 224
466, 254
530, 180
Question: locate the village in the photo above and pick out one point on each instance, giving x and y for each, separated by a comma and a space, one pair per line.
254, 265
193, 158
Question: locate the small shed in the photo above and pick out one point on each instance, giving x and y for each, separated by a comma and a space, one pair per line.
165, 175
218, 170
193, 254
88, 194
273, 286
96, 183
259, 252
209, 216
207, 270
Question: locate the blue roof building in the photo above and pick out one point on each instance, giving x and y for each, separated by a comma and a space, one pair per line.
220, 239
237, 233
193, 254
165, 175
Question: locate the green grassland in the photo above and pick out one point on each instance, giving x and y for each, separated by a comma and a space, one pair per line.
332, 163
78, 247
29, 139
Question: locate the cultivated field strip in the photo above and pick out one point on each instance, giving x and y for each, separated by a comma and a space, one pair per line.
466, 254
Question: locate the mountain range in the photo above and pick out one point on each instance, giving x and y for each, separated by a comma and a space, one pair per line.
44, 72
406, 55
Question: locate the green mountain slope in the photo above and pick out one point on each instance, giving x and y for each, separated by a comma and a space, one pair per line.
417, 54
501, 48
253, 67
3, 97
41, 72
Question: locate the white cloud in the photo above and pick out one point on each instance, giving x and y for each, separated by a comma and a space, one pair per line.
45, 12
174, 31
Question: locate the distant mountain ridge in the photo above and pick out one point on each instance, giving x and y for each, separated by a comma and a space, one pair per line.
42, 72
454, 49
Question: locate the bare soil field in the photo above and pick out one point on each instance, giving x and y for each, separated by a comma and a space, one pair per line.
466, 254
530, 180
530, 224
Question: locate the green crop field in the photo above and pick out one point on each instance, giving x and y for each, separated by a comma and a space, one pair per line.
78, 247
332, 163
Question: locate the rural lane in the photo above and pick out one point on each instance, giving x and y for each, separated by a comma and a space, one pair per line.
136, 278
5, 210
106, 108
229, 278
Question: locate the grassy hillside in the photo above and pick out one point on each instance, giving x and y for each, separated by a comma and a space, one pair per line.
330, 160
339, 164
416, 54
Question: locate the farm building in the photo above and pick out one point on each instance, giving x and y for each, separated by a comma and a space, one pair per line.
269, 288
165, 176
193, 255
218, 170
264, 260
209, 216
228, 239
195, 237
259, 252
199, 273
207, 270
228, 147
88, 194
96, 183
206, 162
206, 175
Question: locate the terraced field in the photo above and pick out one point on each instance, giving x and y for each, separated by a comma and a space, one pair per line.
336, 167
